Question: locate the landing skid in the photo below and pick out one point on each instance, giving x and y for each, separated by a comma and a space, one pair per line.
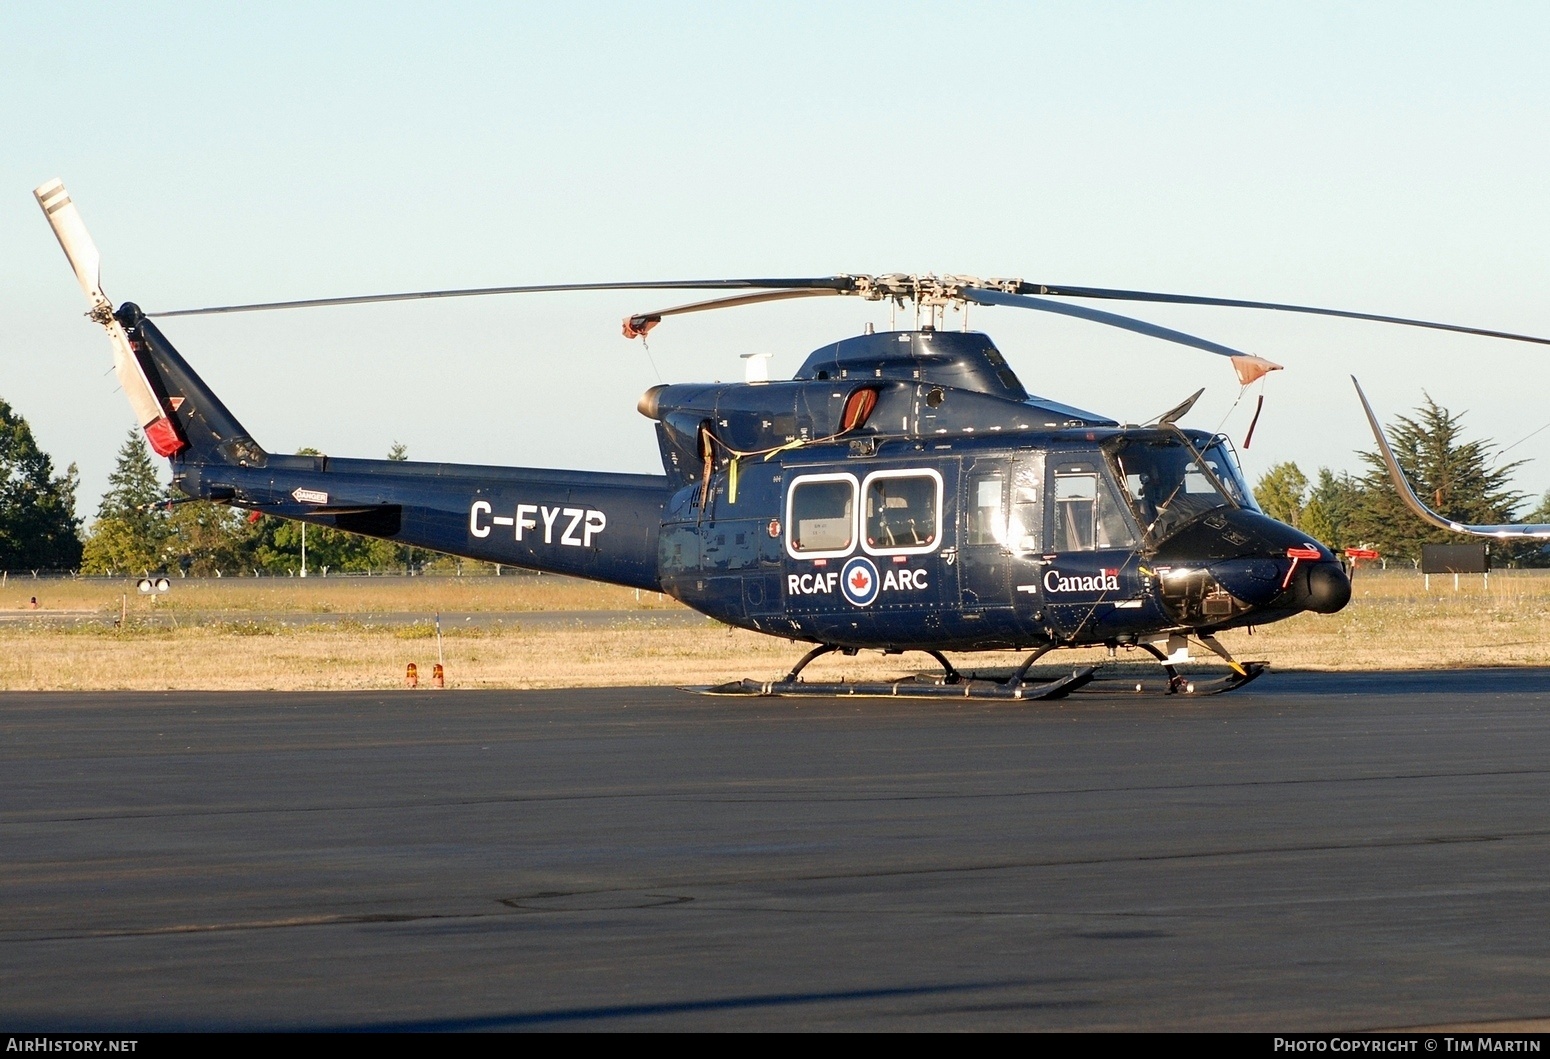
953, 684
912, 688
1179, 684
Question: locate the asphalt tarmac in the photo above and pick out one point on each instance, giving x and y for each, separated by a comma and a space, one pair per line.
1313, 852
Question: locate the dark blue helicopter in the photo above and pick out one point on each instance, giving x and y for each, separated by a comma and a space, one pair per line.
902, 492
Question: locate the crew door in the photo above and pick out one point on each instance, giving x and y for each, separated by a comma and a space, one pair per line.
1091, 574
1002, 548
984, 554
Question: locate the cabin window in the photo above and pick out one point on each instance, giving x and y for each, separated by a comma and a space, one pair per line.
1087, 516
987, 519
821, 516
902, 512
1026, 529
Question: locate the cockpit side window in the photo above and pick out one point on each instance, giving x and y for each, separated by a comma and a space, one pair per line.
1087, 514
1076, 510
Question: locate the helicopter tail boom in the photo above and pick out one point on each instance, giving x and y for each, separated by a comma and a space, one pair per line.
599, 526
585, 524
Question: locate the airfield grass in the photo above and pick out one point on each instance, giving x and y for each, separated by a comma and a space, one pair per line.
325, 595
250, 634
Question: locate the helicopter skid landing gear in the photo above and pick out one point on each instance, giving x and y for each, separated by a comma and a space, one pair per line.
1055, 689
949, 674
1178, 684
951, 685
817, 652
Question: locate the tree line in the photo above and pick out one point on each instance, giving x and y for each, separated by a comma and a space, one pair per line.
38, 527
144, 527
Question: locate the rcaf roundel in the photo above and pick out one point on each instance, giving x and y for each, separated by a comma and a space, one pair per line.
859, 581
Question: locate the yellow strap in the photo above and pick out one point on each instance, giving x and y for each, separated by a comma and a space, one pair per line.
783, 448
737, 455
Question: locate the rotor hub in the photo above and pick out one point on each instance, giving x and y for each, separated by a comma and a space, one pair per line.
928, 291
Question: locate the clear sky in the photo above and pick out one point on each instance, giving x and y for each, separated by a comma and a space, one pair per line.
1384, 157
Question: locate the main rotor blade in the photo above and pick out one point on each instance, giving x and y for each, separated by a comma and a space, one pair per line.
1237, 303
834, 284
1247, 366
1413, 502
639, 324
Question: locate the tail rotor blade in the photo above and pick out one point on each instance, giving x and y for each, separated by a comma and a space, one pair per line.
82, 254
74, 239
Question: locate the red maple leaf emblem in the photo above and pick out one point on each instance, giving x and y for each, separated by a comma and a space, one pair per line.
859, 580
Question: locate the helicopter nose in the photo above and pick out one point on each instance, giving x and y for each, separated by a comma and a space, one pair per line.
1320, 587
1261, 562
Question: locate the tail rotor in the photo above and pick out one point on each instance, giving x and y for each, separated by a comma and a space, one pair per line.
70, 230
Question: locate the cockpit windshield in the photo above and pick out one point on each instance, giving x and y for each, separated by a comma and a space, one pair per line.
1165, 484
1223, 464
